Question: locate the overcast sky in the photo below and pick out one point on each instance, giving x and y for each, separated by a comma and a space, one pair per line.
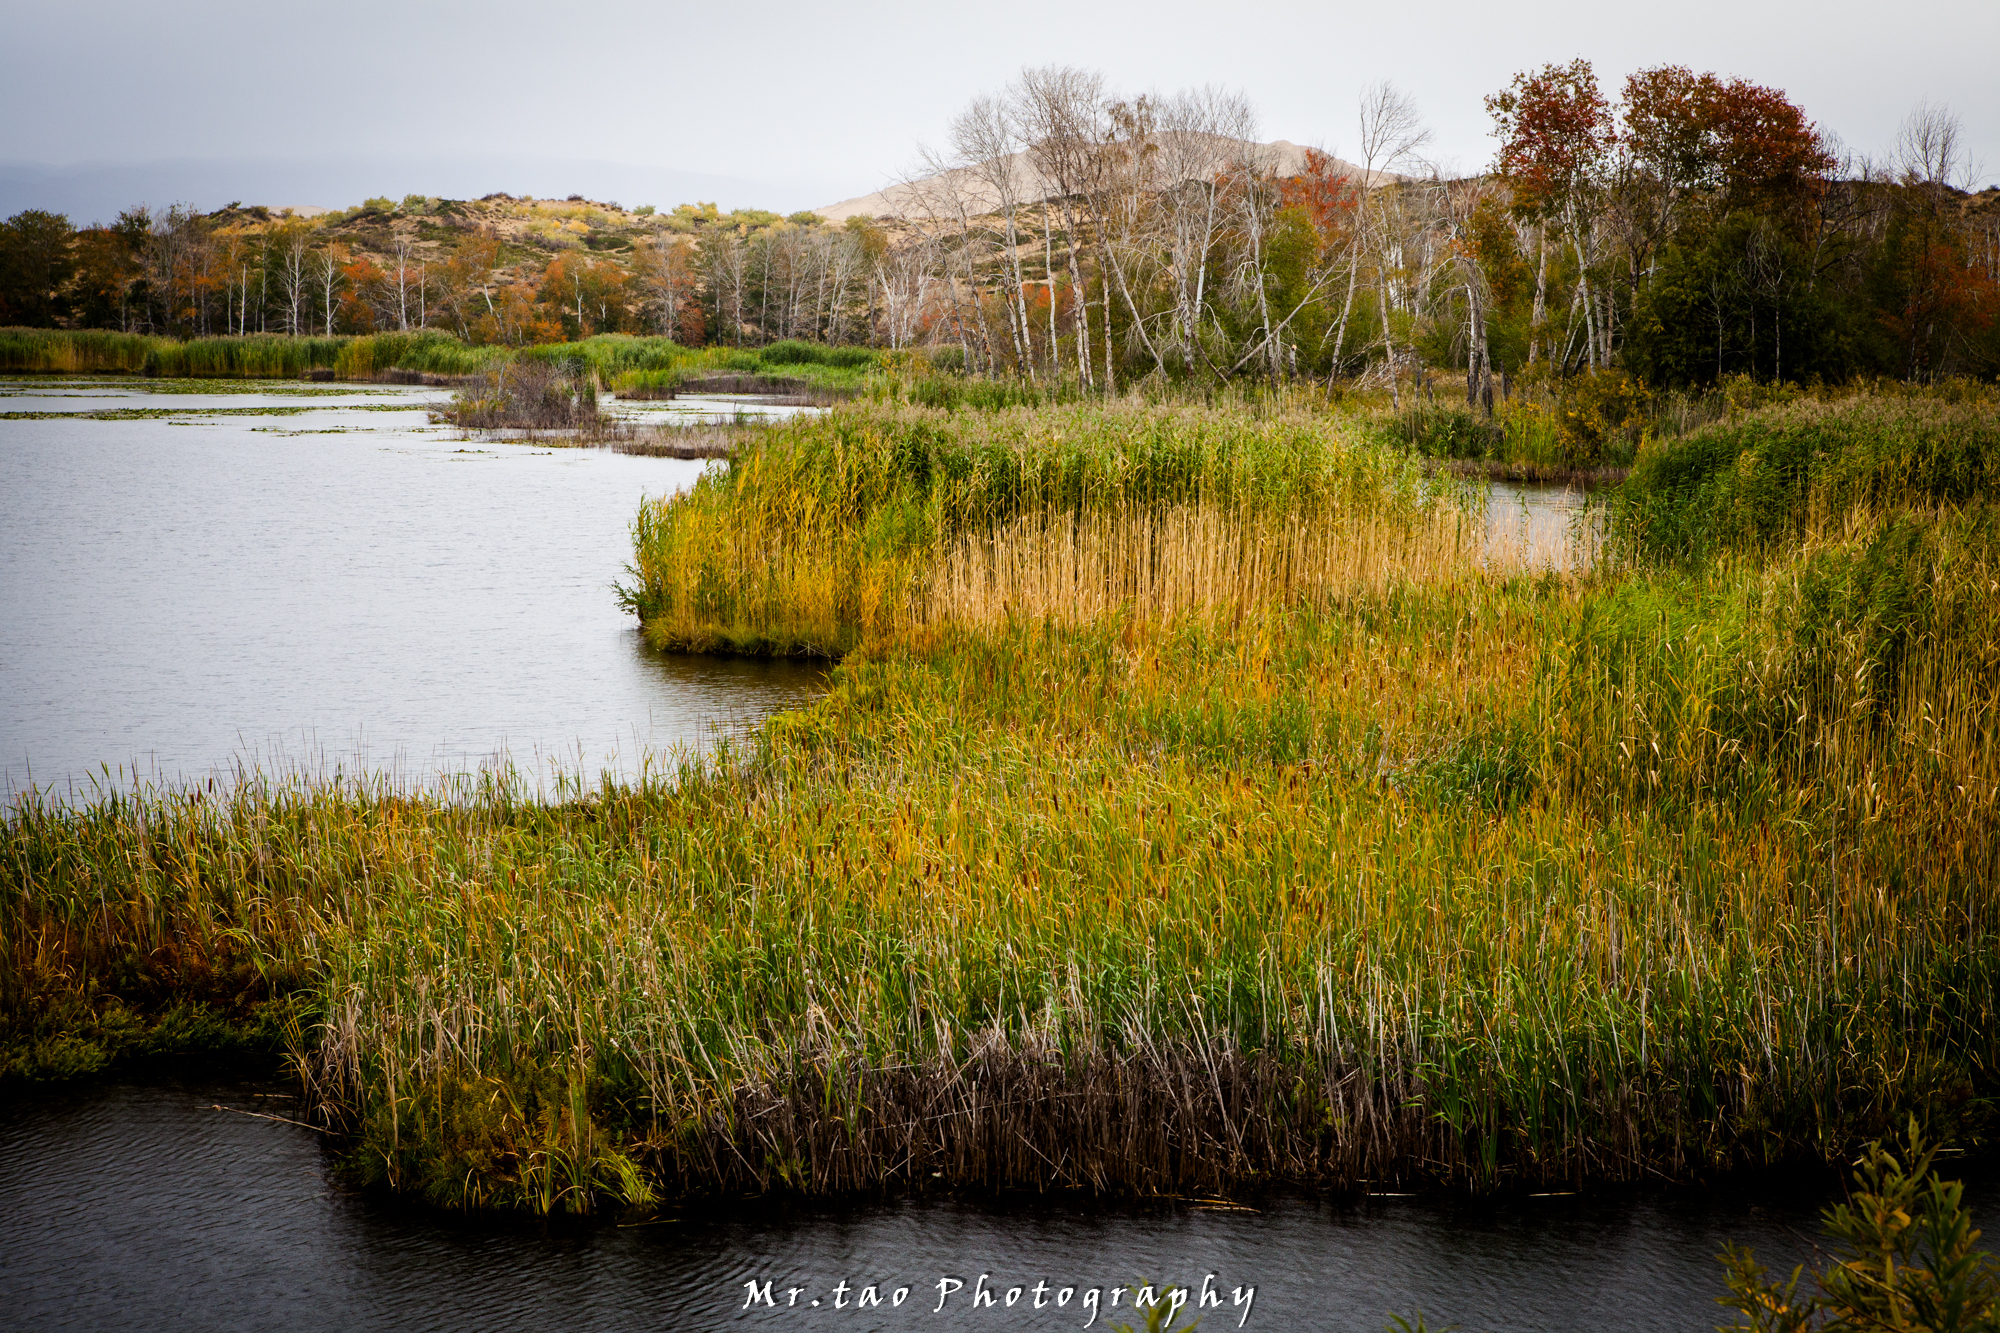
787, 105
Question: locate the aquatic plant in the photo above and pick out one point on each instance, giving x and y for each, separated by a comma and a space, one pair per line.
527, 393
1776, 473
1345, 855
866, 522
251, 356
75, 352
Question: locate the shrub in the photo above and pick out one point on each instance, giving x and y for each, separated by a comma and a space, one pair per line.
1909, 1260
1772, 474
530, 393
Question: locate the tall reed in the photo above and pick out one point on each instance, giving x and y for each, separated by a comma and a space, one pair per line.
252, 356
1393, 869
75, 352
874, 518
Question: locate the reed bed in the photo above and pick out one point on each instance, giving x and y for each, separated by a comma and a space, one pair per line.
250, 356
873, 519
806, 371
1271, 864
78, 352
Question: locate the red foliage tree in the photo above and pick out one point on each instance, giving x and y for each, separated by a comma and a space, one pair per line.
1556, 132
1749, 145
1326, 193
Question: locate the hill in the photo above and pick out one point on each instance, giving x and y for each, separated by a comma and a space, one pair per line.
928, 195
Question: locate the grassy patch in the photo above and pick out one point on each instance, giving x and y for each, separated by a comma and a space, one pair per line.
1191, 807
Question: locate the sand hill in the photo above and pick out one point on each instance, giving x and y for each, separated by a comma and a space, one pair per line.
931, 194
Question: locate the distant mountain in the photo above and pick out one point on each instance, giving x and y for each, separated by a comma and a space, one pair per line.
914, 198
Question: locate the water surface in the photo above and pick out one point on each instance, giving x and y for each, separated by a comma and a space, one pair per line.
138, 1205
339, 587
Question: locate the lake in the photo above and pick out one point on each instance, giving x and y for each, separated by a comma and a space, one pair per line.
341, 587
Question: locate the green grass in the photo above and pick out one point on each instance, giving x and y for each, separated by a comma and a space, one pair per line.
254, 356
66, 352
960, 393
835, 529
637, 367
1776, 474
619, 360
1278, 864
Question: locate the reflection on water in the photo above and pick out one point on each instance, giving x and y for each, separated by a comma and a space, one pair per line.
1541, 527
337, 587
702, 409
140, 1206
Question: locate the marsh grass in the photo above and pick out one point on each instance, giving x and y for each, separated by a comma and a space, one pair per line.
870, 520
75, 352
804, 371
1771, 476
251, 356
1351, 859
527, 394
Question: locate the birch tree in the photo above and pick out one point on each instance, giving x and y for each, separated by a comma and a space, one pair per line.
326, 266
1392, 133
294, 250
986, 145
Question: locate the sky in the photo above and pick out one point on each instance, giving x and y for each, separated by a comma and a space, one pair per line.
787, 105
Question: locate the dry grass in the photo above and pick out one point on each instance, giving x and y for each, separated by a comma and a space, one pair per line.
1184, 845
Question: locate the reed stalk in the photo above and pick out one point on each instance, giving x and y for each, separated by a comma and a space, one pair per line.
1197, 803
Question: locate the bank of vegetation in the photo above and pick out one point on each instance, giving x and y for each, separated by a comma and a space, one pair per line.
1198, 802
621, 362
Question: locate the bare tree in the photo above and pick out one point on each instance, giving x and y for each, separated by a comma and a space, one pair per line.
1254, 194
402, 247
294, 273
905, 277
728, 258
665, 269
1928, 151
986, 145
1191, 151
1392, 132
1062, 110
942, 209
1458, 202
326, 272
1121, 208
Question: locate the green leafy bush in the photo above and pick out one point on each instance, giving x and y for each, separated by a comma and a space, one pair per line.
1907, 1259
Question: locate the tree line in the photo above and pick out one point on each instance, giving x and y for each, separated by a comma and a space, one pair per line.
1692, 228
696, 274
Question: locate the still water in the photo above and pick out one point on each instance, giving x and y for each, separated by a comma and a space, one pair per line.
139, 1205
341, 586
326, 580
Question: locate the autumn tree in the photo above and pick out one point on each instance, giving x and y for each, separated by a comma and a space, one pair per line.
666, 273
369, 298
1938, 305
465, 283
586, 296
1556, 132
1718, 195
109, 266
